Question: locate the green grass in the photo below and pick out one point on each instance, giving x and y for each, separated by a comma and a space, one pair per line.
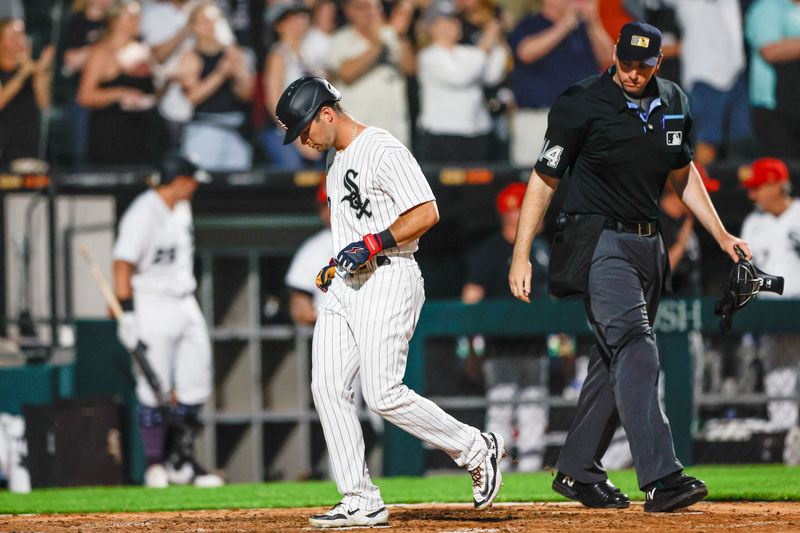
755, 483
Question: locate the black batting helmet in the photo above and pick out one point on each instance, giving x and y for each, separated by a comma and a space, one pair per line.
300, 102
174, 165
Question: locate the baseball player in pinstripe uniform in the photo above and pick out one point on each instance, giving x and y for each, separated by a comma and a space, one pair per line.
380, 205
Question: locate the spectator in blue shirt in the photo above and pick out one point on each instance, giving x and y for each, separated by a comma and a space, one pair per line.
772, 29
562, 44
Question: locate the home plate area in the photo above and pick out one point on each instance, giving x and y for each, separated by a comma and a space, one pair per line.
453, 518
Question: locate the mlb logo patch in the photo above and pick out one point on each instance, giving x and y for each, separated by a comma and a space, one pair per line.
674, 138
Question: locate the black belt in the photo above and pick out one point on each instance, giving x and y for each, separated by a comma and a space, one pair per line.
642, 229
379, 262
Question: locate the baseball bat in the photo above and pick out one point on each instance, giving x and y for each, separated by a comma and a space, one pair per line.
139, 353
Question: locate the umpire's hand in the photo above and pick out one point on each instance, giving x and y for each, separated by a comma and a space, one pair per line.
729, 243
519, 279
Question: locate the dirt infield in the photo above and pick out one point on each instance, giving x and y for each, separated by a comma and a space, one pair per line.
773, 517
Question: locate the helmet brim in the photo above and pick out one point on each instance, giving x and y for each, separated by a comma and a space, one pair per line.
295, 131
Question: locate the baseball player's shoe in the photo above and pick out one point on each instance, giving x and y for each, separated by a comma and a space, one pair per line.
340, 516
191, 472
601, 495
487, 479
155, 477
680, 493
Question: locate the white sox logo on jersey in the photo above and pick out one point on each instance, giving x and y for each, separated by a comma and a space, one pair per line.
354, 198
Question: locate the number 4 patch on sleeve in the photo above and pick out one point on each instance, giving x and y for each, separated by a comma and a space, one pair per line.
552, 155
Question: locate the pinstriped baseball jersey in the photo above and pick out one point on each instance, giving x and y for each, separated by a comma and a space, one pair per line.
371, 183
368, 318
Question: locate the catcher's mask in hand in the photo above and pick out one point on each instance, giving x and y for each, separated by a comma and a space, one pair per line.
745, 281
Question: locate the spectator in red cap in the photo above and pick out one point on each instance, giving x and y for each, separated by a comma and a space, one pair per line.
774, 227
773, 232
683, 247
513, 369
483, 281
304, 297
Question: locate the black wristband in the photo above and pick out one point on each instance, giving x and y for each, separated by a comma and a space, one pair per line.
127, 305
387, 239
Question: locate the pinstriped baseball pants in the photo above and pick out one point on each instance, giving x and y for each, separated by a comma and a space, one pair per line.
364, 327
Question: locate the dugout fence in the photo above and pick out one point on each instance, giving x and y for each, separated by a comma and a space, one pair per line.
720, 391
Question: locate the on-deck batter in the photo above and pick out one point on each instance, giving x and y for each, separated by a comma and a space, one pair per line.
154, 281
380, 205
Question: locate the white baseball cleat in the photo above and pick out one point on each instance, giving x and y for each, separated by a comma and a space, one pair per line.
190, 472
208, 481
340, 516
486, 478
155, 477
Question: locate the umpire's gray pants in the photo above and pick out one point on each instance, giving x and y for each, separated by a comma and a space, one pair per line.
625, 281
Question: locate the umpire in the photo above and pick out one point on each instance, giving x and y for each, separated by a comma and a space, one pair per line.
622, 135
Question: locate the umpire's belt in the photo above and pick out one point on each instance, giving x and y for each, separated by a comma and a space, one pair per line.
642, 229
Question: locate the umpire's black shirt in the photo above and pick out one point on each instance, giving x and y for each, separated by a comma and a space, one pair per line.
619, 158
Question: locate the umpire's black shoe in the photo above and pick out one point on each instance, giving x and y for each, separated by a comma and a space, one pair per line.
600, 495
679, 493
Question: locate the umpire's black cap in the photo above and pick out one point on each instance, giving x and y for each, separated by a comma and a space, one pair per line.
639, 41
175, 164
300, 102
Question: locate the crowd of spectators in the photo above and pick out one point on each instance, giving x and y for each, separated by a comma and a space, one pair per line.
457, 80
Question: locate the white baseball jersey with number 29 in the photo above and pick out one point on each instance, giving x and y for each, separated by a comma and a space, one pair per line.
158, 241
368, 318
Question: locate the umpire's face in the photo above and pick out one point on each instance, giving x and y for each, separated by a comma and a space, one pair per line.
633, 76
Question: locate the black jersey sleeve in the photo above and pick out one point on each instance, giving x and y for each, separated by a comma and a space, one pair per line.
566, 126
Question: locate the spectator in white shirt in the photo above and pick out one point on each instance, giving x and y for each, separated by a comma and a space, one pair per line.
454, 117
712, 72
371, 59
317, 43
774, 229
165, 29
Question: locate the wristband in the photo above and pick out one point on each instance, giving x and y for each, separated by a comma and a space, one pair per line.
387, 239
126, 304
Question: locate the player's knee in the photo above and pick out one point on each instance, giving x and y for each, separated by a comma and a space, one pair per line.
384, 401
637, 358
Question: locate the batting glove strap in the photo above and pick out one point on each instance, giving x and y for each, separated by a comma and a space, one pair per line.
326, 275
374, 244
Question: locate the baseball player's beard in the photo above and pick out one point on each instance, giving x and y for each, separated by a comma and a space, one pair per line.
326, 143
